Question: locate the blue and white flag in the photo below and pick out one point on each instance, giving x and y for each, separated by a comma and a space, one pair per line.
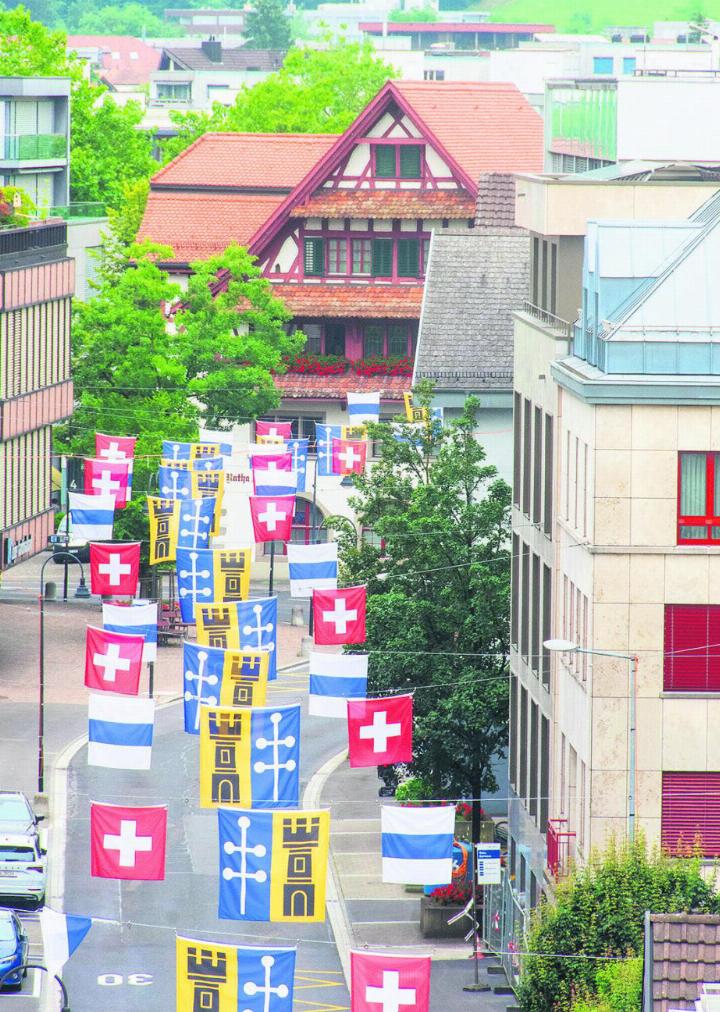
417, 844
174, 482
275, 756
61, 935
312, 567
299, 450
257, 624
209, 464
438, 415
173, 450
324, 435
139, 619
265, 979
120, 731
335, 678
196, 523
363, 407
203, 669
91, 516
275, 482
196, 579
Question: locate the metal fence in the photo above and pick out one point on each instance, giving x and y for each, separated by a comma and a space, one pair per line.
504, 926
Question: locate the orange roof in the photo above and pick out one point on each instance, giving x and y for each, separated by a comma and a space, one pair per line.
199, 225
292, 384
377, 301
485, 127
124, 60
259, 161
386, 204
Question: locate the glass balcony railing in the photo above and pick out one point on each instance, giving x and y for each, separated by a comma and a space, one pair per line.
33, 147
81, 209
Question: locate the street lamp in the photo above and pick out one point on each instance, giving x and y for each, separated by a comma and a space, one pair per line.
37, 966
568, 647
81, 592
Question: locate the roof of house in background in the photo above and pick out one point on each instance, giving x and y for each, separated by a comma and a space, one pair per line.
473, 284
306, 385
681, 952
380, 301
124, 60
234, 58
495, 208
466, 27
385, 204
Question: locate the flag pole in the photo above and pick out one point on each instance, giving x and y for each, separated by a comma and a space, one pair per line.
272, 568
316, 528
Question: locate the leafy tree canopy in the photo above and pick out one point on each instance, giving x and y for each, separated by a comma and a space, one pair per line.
438, 601
267, 26
125, 19
316, 91
416, 14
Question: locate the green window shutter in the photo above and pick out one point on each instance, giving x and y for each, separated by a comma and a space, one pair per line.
382, 258
314, 256
410, 161
385, 161
408, 258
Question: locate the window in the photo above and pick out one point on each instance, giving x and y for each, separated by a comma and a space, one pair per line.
691, 812
410, 167
387, 339
548, 476
337, 256
434, 75
382, 257
313, 257
397, 339
385, 161
361, 256
408, 260
699, 505
527, 456
313, 332
169, 92
629, 64
602, 64
398, 161
334, 338
523, 775
538, 471
517, 440
692, 657
533, 763
373, 340
513, 730
515, 590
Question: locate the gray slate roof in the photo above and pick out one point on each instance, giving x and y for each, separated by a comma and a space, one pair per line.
474, 282
237, 58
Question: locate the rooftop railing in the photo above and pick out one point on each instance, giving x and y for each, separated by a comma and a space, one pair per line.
33, 147
549, 319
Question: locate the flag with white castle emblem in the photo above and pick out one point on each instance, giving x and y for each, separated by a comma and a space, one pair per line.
417, 844
298, 448
115, 568
324, 435
214, 676
249, 625
249, 758
113, 661
178, 523
172, 450
91, 516
339, 615
109, 477
227, 978
380, 983
211, 574
273, 865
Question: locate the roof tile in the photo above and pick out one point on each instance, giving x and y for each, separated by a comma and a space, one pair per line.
305, 385
385, 204
233, 58
377, 301
124, 59
686, 953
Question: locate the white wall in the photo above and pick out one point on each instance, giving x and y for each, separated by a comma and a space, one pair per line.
673, 120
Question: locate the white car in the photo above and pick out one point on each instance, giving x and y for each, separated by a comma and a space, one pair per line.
23, 871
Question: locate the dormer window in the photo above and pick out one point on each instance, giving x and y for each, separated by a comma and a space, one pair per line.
398, 161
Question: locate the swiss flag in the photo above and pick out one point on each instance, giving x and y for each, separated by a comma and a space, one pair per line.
273, 430
380, 983
114, 568
109, 477
113, 661
271, 461
114, 447
339, 615
127, 843
272, 516
349, 456
380, 731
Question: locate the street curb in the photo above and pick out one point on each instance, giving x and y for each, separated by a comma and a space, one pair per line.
334, 902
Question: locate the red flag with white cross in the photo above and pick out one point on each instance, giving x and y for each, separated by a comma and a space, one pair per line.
271, 461
380, 983
114, 447
113, 661
114, 568
272, 516
109, 477
380, 731
339, 615
128, 843
273, 430
349, 456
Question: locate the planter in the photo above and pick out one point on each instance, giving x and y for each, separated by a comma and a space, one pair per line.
463, 830
434, 920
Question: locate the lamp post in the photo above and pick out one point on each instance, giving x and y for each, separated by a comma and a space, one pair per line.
81, 592
38, 966
568, 647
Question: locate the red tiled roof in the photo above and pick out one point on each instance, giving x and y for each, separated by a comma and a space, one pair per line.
125, 60
482, 28
306, 385
375, 301
386, 204
199, 225
485, 127
260, 161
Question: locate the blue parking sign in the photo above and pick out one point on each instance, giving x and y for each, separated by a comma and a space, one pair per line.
488, 863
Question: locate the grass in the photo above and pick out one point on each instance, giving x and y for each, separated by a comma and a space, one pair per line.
596, 15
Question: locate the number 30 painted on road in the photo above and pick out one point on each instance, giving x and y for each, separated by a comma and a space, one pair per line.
117, 979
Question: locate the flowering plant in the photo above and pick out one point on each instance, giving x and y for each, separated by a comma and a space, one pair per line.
380, 366
463, 810
318, 365
451, 894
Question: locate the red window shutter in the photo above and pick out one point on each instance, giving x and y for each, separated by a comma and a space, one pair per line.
692, 648
691, 812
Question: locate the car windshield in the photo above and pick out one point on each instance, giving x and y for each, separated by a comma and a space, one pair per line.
24, 854
7, 931
13, 808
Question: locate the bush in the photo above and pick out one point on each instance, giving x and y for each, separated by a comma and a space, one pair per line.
619, 988
413, 789
599, 911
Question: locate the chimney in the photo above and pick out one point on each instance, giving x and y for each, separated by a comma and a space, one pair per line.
212, 49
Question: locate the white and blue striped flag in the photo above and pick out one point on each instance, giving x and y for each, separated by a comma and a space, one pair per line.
417, 845
312, 567
120, 731
363, 407
91, 516
137, 619
61, 935
275, 482
335, 678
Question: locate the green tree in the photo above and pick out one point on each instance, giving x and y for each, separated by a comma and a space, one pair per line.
417, 14
267, 26
619, 988
438, 604
125, 19
599, 911
316, 91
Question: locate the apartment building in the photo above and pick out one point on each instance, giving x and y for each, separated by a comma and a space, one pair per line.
614, 427
36, 287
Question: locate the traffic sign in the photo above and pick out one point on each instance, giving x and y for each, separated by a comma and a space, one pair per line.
488, 863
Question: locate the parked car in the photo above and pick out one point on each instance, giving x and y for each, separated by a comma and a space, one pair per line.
13, 949
22, 870
16, 813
